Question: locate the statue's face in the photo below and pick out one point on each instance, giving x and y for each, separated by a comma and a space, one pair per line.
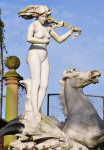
42, 18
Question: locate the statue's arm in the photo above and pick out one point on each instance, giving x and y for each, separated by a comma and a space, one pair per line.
32, 39
62, 38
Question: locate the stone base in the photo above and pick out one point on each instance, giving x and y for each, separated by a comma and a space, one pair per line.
39, 134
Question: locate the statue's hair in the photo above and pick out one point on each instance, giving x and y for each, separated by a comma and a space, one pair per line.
33, 11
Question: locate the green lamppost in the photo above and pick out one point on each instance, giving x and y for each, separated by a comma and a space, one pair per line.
12, 79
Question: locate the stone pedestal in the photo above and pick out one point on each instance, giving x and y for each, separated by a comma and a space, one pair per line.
12, 79
11, 99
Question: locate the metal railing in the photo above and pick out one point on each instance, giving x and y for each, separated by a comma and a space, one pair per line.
55, 109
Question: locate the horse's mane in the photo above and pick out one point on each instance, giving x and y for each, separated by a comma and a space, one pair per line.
66, 74
62, 97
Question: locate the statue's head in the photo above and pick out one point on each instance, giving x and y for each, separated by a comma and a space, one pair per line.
34, 11
82, 78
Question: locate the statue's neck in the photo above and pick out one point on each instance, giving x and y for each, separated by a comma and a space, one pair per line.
73, 96
72, 89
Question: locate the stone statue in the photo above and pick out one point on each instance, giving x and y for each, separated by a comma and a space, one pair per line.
83, 124
39, 33
83, 128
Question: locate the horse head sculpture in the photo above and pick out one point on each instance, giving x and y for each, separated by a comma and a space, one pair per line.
82, 78
83, 123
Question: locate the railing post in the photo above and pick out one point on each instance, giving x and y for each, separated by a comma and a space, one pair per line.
12, 79
48, 105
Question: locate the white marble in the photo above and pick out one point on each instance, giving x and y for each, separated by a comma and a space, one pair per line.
83, 123
83, 127
39, 33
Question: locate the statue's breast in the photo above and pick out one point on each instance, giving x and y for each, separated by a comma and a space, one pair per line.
39, 35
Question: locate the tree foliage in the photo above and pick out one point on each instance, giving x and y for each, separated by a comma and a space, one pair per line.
2, 49
2, 34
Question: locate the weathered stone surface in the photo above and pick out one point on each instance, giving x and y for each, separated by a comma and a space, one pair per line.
83, 127
12, 62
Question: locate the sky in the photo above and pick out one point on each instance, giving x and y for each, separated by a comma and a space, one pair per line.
85, 52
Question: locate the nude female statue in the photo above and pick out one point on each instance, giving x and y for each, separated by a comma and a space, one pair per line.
39, 33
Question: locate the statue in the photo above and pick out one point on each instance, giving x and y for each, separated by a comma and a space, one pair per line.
83, 124
38, 35
83, 128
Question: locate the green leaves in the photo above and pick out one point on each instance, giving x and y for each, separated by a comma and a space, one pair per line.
2, 34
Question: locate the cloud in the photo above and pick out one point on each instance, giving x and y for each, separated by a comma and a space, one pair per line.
61, 12
67, 14
96, 22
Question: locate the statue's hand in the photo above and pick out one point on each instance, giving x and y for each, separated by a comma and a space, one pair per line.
75, 29
71, 30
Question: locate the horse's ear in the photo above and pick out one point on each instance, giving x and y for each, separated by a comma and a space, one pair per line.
72, 70
64, 75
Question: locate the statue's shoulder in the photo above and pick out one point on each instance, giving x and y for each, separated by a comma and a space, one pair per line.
50, 28
31, 26
34, 24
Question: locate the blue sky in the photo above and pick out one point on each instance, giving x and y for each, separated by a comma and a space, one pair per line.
85, 52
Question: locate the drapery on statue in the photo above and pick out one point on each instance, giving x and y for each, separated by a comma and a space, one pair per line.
38, 35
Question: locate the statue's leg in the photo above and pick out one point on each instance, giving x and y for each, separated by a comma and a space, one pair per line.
35, 72
44, 81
